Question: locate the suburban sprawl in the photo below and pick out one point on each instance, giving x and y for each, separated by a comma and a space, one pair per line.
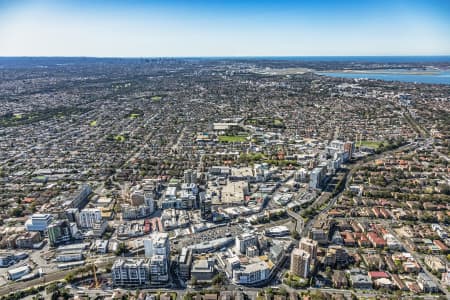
221, 179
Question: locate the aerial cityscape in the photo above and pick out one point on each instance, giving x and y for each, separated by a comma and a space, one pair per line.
221, 177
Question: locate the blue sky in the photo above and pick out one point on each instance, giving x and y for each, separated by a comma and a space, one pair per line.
132, 28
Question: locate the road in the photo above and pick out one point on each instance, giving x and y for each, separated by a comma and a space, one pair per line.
353, 169
299, 223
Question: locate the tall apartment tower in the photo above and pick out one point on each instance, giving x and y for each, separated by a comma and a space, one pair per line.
300, 261
309, 246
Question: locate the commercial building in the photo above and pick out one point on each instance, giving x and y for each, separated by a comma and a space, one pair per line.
7, 260
131, 272
251, 273
203, 270
130, 212
38, 222
88, 217
157, 244
277, 231
205, 206
244, 241
190, 176
340, 147
300, 262
28, 240
17, 273
185, 263
69, 255
59, 232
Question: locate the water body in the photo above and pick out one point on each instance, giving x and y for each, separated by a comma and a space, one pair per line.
439, 77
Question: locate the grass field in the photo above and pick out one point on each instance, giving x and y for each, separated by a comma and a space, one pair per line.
156, 98
119, 138
232, 138
370, 144
277, 122
134, 116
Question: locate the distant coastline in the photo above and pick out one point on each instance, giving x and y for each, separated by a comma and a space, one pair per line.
428, 76
430, 71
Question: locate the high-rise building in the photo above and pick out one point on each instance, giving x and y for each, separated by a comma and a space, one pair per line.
319, 235
185, 263
72, 214
300, 261
159, 269
310, 246
157, 244
346, 148
131, 272
244, 241
316, 177
190, 176
157, 248
59, 232
149, 201
137, 198
88, 217
205, 206
80, 198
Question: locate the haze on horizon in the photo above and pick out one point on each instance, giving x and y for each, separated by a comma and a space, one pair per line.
224, 28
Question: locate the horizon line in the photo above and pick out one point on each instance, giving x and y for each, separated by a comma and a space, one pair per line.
219, 56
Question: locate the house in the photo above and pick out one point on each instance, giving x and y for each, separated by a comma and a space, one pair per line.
339, 280
360, 281
374, 275
426, 283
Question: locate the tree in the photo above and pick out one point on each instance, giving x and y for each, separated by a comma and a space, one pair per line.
218, 279
121, 249
69, 277
194, 280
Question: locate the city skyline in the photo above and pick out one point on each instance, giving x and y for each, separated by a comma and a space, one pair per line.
219, 28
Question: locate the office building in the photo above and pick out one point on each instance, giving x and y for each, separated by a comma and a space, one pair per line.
38, 222
244, 241
205, 206
72, 214
59, 232
203, 270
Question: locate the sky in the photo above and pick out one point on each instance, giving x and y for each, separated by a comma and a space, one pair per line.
189, 28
